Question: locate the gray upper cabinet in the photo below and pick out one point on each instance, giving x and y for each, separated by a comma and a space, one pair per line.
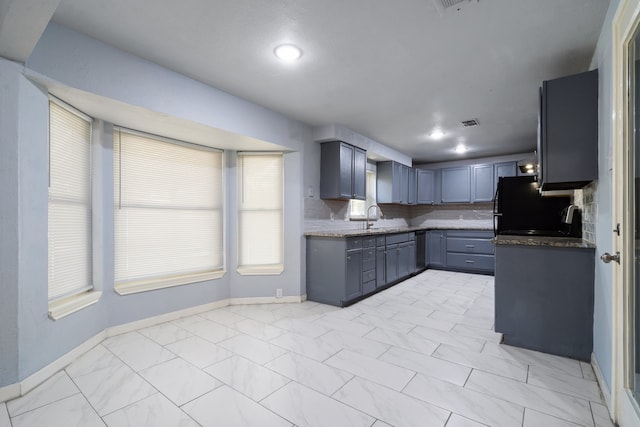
412, 197
392, 183
456, 185
504, 169
425, 186
343, 171
482, 183
568, 132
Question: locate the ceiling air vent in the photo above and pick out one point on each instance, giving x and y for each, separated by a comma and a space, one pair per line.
450, 3
470, 123
457, 5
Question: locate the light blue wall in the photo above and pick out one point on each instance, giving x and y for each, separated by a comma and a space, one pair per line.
29, 340
603, 302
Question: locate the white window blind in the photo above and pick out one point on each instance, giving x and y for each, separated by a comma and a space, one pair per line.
260, 218
69, 210
168, 212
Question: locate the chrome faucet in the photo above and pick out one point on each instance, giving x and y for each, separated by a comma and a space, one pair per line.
369, 222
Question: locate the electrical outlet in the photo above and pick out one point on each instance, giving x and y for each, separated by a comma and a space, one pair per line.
279, 293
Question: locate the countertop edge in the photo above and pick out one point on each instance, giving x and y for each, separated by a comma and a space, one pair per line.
556, 242
377, 231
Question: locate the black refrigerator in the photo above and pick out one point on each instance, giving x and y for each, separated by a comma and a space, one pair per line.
520, 210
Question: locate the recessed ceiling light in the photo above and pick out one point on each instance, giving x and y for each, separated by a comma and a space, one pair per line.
436, 134
288, 52
460, 148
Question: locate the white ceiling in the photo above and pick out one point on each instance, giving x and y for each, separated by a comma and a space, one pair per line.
390, 70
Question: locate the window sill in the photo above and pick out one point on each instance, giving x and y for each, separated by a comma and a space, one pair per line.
262, 270
63, 308
127, 288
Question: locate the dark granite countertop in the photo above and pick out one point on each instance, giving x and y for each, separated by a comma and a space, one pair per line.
557, 242
430, 225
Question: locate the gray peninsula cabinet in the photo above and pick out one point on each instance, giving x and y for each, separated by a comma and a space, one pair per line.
343, 171
461, 250
568, 132
342, 270
544, 295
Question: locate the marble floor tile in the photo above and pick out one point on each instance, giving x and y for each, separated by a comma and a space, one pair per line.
308, 408
258, 330
262, 315
94, 360
179, 380
354, 343
389, 405
199, 352
165, 333
4, 416
427, 365
587, 371
253, 349
379, 423
302, 327
535, 358
465, 319
55, 388
154, 411
549, 402
381, 322
414, 343
378, 371
425, 320
534, 418
465, 402
226, 407
211, 331
578, 387
113, 388
73, 411
462, 342
310, 373
434, 305
473, 332
224, 317
380, 312
483, 362
343, 325
456, 420
247, 377
601, 415
313, 348
137, 351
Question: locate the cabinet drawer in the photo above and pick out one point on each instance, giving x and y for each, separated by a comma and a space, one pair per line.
470, 246
368, 287
368, 276
368, 264
354, 243
369, 253
369, 242
470, 261
392, 239
381, 241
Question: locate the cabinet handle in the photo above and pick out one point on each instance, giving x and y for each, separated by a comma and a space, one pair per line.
348, 258
470, 246
468, 261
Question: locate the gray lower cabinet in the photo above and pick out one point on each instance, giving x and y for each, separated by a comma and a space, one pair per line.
544, 298
461, 250
392, 261
435, 248
353, 283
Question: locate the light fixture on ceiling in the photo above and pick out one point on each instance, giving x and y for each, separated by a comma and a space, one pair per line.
461, 148
436, 134
287, 52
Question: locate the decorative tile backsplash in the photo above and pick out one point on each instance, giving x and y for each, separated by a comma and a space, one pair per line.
585, 199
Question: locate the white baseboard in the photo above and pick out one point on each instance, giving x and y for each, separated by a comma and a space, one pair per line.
12, 391
601, 382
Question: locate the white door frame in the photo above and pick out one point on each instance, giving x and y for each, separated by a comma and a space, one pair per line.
624, 407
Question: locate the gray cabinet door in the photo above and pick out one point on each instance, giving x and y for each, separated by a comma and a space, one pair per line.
381, 279
435, 248
359, 175
346, 170
504, 169
482, 183
404, 260
404, 184
391, 263
353, 285
392, 182
456, 185
396, 196
425, 183
413, 186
